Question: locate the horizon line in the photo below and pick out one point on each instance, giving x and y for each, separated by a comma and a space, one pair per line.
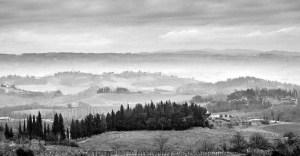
167, 51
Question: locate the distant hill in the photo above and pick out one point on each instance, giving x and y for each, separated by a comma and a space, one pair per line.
85, 83
128, 87
12, 90
204, 65
75, 82
230, 85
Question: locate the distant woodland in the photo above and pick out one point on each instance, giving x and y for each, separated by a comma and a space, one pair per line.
254, 99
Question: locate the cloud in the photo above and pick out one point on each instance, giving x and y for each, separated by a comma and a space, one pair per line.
141, 25
182, 34
205, 33
136, 12
30, 40
240, 37
278, 32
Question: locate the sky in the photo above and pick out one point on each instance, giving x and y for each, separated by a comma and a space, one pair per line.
147, 25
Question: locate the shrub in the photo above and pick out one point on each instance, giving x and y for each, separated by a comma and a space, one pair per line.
290, 146
22, 152
73, 144
257, 141
238, 143
64, 143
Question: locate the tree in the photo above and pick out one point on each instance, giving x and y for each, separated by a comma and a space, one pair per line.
6, 131
103, 124
161, 142
45, 131
238, 143
20, 129
34, 130
22, 152
61, 128
55, 125
68, 133
207, 146
290, 146
257, 141
73, 130
39, 126
29, 126
24, 127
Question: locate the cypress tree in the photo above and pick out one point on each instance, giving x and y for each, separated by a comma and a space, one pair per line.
78, 129
39, 125
34, 130
61, 128
108, 121
103, 124
55, 125
48, 129
20, 129
113, 120
24, 127
68, 134
73, 130
6, 132
29, 126
45, 131
11, 133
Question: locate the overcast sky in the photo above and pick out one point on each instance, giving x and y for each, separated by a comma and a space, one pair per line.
148, 25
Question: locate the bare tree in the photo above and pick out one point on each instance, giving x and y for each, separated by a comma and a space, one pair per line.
189, 144
115, 146
161, 141
207, 146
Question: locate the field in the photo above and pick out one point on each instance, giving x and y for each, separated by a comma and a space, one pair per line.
191, 139
284, 128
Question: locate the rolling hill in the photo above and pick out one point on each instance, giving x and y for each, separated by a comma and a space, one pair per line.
71, 87
230, 85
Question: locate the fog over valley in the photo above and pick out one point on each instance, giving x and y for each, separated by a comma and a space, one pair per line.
207, 66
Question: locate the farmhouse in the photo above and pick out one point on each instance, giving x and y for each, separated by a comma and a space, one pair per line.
289, 100
256, 121
226, 117
5, 118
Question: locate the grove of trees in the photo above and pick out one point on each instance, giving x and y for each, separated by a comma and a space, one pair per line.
161, 116
34, 128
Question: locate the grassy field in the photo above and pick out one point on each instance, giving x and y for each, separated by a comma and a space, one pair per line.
178, 140
284, 128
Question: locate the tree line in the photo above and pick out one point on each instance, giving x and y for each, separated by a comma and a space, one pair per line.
161, 116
